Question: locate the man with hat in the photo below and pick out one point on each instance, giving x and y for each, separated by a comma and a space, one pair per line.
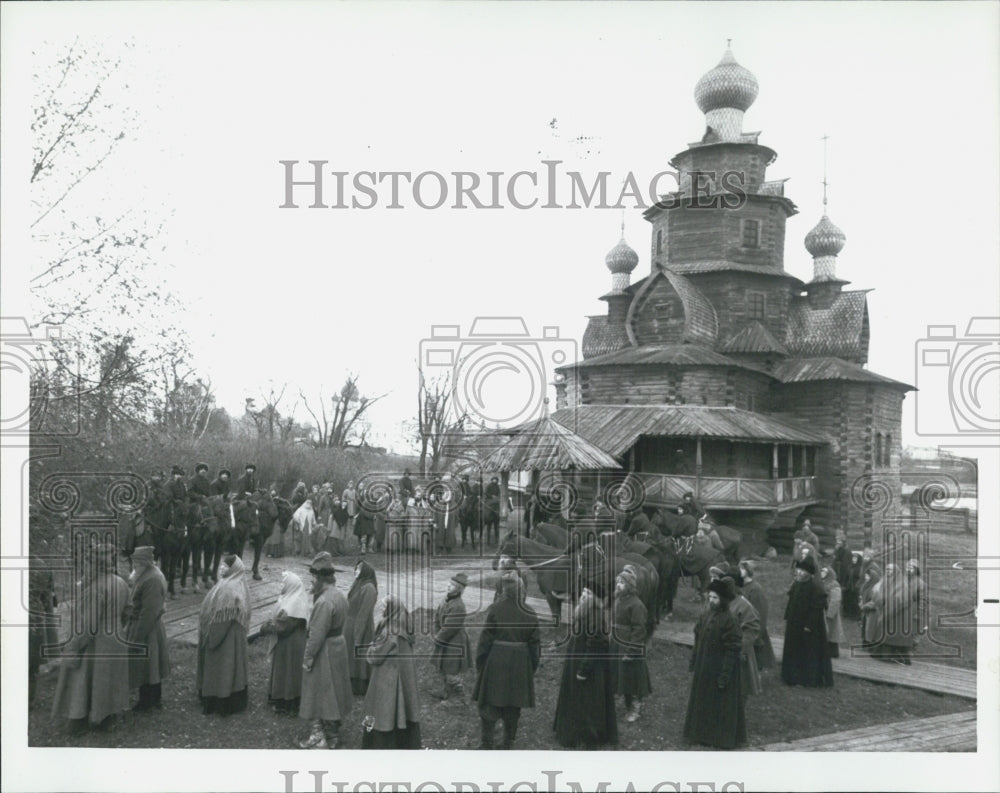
749, 621
715, 713
452, 650
221, 485
754, 592
246, 485
689, 506
156, 511
145, 628
199, 484
805, 659
326, 680
507, 658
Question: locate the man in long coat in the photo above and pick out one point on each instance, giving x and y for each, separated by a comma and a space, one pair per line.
452, 649
754, 592
93, 677
246, 485
805, 659
221, 485
145, 628
507, 658
326, 679
715, 714
749, 620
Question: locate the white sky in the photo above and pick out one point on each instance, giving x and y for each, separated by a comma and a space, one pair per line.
907, 94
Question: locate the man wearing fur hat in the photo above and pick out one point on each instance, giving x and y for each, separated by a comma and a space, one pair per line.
805, 660
145, 628
749, 620
507, 658
221, 485
246, 485
452, 650
715, 713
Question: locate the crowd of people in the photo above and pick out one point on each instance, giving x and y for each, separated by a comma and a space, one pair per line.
327, 648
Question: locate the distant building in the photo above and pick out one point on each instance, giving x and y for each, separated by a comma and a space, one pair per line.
720, 372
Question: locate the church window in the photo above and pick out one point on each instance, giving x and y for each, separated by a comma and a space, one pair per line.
887, 451
878, 449
751, 233
659, 240
755, 305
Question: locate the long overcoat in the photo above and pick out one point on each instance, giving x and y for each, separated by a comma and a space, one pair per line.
805, 659
715, 714
145, 627
452, 649
749, 620
507, 656
763, 649
326, 687
392, 699
359, 630
93, 678
628, 642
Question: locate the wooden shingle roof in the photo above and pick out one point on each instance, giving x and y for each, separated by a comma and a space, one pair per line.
804, 370
602, 337
665, 354
547, 445
840, 330
616, 428
701, 324
754, 338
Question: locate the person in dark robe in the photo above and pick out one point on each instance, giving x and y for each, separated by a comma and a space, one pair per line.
689, 506
805, 660
491, 511
754, 592
391, 712
326, 679
93, 685
405, 486
715, 712
452, 653
846, 569
145, 628
221, 485
359, 628
629, 643
224, 620
286, 630
507, 657
338, 531
508, 564
749, 620
585, 708
364, 527
246, 485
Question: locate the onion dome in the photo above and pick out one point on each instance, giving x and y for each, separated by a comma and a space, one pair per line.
621, 258
727, 85
825, 239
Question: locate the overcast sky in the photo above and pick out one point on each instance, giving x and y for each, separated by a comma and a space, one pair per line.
907, 94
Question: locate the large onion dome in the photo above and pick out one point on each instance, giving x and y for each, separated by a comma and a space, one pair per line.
825, 239
727, 85
621, 258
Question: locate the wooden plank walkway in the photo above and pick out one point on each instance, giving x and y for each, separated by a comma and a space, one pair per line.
954, 732
938, 678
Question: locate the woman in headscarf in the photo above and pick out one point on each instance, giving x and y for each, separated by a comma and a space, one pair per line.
222, 641
359, 628
338, 529
871, 628
391, 711
629, 641
326, 680
585, 709
287, 629
303, 526
834, 624
93, 677
899, 620
145, 628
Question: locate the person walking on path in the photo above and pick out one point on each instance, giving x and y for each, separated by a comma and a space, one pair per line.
805, 659
629, 642
507, 657
326, 679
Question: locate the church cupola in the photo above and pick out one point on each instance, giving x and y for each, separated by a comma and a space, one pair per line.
824, 242
724, 94
621, 261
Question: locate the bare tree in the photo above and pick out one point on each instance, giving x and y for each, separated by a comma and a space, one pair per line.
188, 400
437, 420
268, 418
348, 407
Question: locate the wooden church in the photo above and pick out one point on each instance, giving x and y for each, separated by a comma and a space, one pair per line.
721, 373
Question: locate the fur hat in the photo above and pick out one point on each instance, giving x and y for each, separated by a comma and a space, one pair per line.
750, 566
628, 577
461, 579
720, 569
736, 578
250, 467
176, 470
201, 467
225, 471
724, 588
143, 555
808, 564
322, 564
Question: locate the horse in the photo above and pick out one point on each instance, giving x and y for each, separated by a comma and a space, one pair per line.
267, 512
673, 525
200, 515
554, 574
551, 534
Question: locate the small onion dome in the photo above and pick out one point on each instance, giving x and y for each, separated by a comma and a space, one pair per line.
621, 258
825, 239
727, 85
